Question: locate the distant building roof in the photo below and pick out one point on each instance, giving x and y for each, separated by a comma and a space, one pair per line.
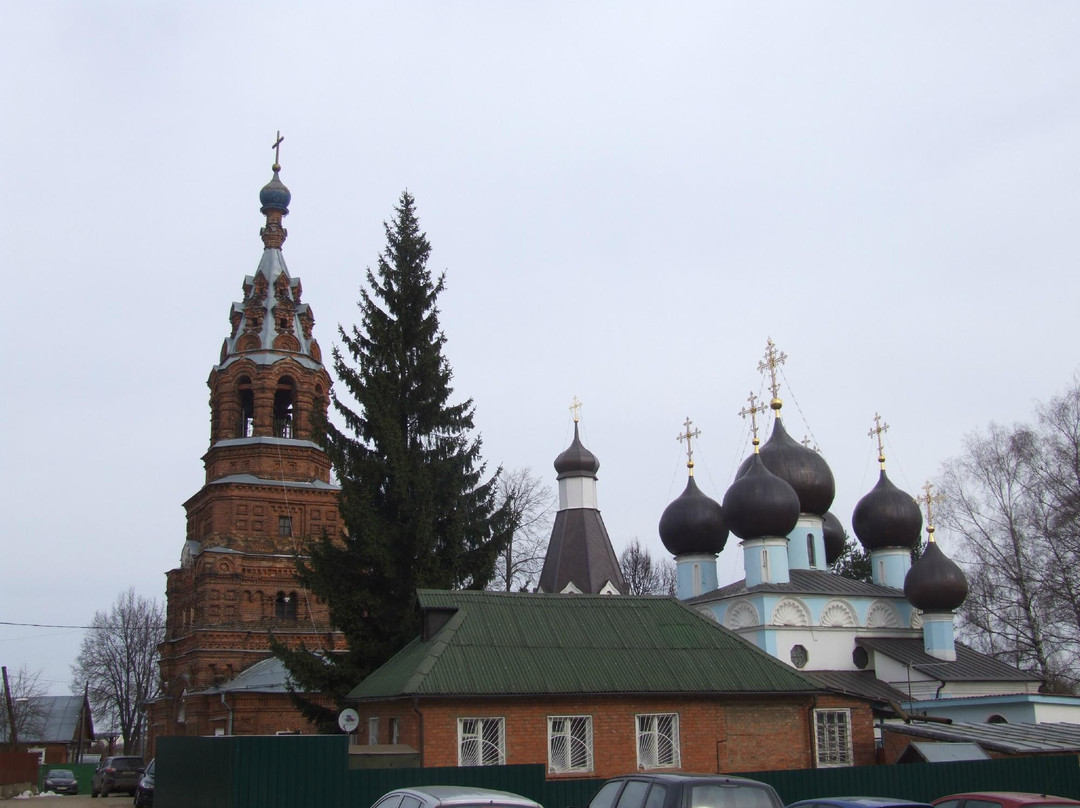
940, 752
1008, 738
970, 666
56, 719
267, 676
524, 644
805, 582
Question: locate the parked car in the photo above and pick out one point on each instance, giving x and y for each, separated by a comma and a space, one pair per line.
858, 802
452, 797
144, 791
116, 773
60, 781
682, 790
1003, 799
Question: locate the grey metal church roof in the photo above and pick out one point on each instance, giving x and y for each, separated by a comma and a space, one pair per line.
970, 665
1010, 738
580, 552
805, 582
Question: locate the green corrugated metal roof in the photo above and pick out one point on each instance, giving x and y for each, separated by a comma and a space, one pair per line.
517, 643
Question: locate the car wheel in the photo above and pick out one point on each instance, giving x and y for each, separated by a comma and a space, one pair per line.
104, 791
93, 793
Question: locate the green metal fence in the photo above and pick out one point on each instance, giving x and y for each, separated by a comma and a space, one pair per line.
294, 771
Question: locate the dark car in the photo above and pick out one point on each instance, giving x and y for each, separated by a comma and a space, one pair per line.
116, 773
60, 781
685, 791
1003, 799
144, 791
858, 802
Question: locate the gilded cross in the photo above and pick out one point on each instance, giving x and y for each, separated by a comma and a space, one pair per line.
772, 361
879, 430
929, 500
752, 411
688, 435
277, 151
575, 408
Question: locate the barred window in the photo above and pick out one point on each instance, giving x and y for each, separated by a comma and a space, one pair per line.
481, 742
373, 731
658, 741
570, 743
833, 735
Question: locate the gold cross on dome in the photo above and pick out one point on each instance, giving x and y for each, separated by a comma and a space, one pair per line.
277, 151
879, 430
772, 361
688, 436
752, 411
929, 500
806, 441
575, 408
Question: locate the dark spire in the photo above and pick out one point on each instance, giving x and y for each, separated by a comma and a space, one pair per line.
275, 198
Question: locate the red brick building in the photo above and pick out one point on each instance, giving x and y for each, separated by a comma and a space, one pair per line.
594, 686
267, 494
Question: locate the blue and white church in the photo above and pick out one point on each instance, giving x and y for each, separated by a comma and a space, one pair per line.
891, 639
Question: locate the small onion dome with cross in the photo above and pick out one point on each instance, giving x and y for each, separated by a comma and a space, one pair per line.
935, 583
576, 460
274, 195
759, 503
833, 533
693, 523
800, 467
887, 517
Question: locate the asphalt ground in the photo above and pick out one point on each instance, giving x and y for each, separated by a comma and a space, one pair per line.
79, 801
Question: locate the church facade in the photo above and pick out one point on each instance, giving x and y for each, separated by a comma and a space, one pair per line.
267, 493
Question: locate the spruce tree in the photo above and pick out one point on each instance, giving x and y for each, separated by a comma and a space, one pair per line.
416, 508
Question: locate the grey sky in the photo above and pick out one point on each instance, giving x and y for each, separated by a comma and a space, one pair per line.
628, 199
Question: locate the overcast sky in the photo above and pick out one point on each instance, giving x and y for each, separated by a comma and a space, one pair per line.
628, 200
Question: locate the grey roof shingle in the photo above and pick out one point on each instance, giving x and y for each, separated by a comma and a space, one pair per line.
57, 719
804, 582
856, 683
1010, 738
970, 666
519, 643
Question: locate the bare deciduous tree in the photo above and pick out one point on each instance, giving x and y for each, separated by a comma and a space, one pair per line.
643, 575
118, 663
26, 707
530, 506
1012, 498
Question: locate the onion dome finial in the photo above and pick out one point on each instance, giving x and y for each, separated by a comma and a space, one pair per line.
753, 411
693, 522
576, 460
770, 364
274, 198
886, 516
833, 532
759, 503
802, 468
935, 583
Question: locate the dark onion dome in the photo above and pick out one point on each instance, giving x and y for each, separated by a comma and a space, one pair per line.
800, 467
693, 523
576, 460
759, 503
935, 583
833, 532
274, 195
887, 517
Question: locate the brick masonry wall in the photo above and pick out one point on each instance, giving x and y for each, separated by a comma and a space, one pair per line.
717, 734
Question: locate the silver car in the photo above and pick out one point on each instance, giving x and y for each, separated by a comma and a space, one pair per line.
453, 797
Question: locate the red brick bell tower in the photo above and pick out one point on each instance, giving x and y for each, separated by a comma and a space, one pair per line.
267, 494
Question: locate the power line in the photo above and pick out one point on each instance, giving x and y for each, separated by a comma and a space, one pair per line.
50, 625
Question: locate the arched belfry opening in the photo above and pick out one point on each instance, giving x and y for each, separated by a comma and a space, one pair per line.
245, 426
285, 408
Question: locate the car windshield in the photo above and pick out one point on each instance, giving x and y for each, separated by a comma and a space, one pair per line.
58, 773
731, 796
127, 763
150, 768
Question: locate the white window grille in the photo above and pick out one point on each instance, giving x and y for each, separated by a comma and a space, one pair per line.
833, 735
373, 731
395, 730
570, 743
658, 741
481, 742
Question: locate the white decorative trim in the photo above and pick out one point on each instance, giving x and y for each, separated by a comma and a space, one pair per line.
609, 589
741, 614
916, 618
570, 589
707, 612
882, 614
790, 612
838, 614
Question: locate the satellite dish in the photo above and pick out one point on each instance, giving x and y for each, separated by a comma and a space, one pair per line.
348, 720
